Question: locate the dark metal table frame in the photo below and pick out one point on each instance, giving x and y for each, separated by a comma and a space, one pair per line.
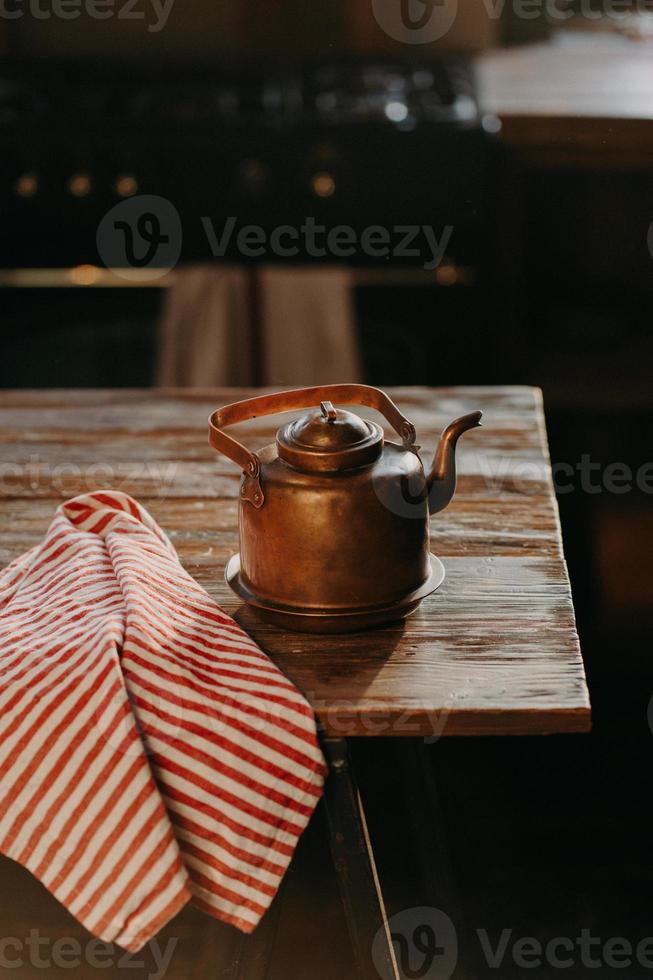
355, 866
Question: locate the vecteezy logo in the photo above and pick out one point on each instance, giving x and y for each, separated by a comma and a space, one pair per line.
140, 239
425, 944
406, 497
149, 229
415, 21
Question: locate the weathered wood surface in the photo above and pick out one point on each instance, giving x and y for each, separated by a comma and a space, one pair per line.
495, 650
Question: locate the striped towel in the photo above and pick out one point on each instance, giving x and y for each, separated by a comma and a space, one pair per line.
150, 753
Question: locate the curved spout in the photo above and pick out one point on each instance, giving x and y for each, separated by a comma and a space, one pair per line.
441, 481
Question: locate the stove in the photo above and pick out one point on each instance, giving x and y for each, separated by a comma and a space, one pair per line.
353, 143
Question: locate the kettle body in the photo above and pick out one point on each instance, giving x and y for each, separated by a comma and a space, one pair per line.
333, 518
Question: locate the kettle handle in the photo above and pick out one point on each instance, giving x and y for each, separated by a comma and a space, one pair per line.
284, 401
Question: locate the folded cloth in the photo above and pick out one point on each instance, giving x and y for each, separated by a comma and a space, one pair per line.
275, 325
206, 335
309, 324
150, 753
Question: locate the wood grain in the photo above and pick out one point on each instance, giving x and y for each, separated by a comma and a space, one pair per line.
494, 651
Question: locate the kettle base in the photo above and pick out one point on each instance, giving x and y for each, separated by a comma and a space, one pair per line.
327, 620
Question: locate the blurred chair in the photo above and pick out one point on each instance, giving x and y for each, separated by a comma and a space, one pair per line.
276, 325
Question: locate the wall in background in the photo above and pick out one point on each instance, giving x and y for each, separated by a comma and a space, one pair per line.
203, 28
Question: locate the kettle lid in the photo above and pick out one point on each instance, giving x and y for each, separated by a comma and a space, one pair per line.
329, 440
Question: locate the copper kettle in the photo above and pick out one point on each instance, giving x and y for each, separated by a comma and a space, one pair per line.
334, 520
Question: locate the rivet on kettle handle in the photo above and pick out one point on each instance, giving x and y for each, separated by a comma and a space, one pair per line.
251, 488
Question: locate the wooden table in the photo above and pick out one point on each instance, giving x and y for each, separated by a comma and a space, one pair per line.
580, 99
494, 651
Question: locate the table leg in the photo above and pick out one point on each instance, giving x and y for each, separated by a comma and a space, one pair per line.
353, 859
426, 826
253, 953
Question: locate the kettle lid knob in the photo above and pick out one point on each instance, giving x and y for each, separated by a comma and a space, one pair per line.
329, 440
328, 411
